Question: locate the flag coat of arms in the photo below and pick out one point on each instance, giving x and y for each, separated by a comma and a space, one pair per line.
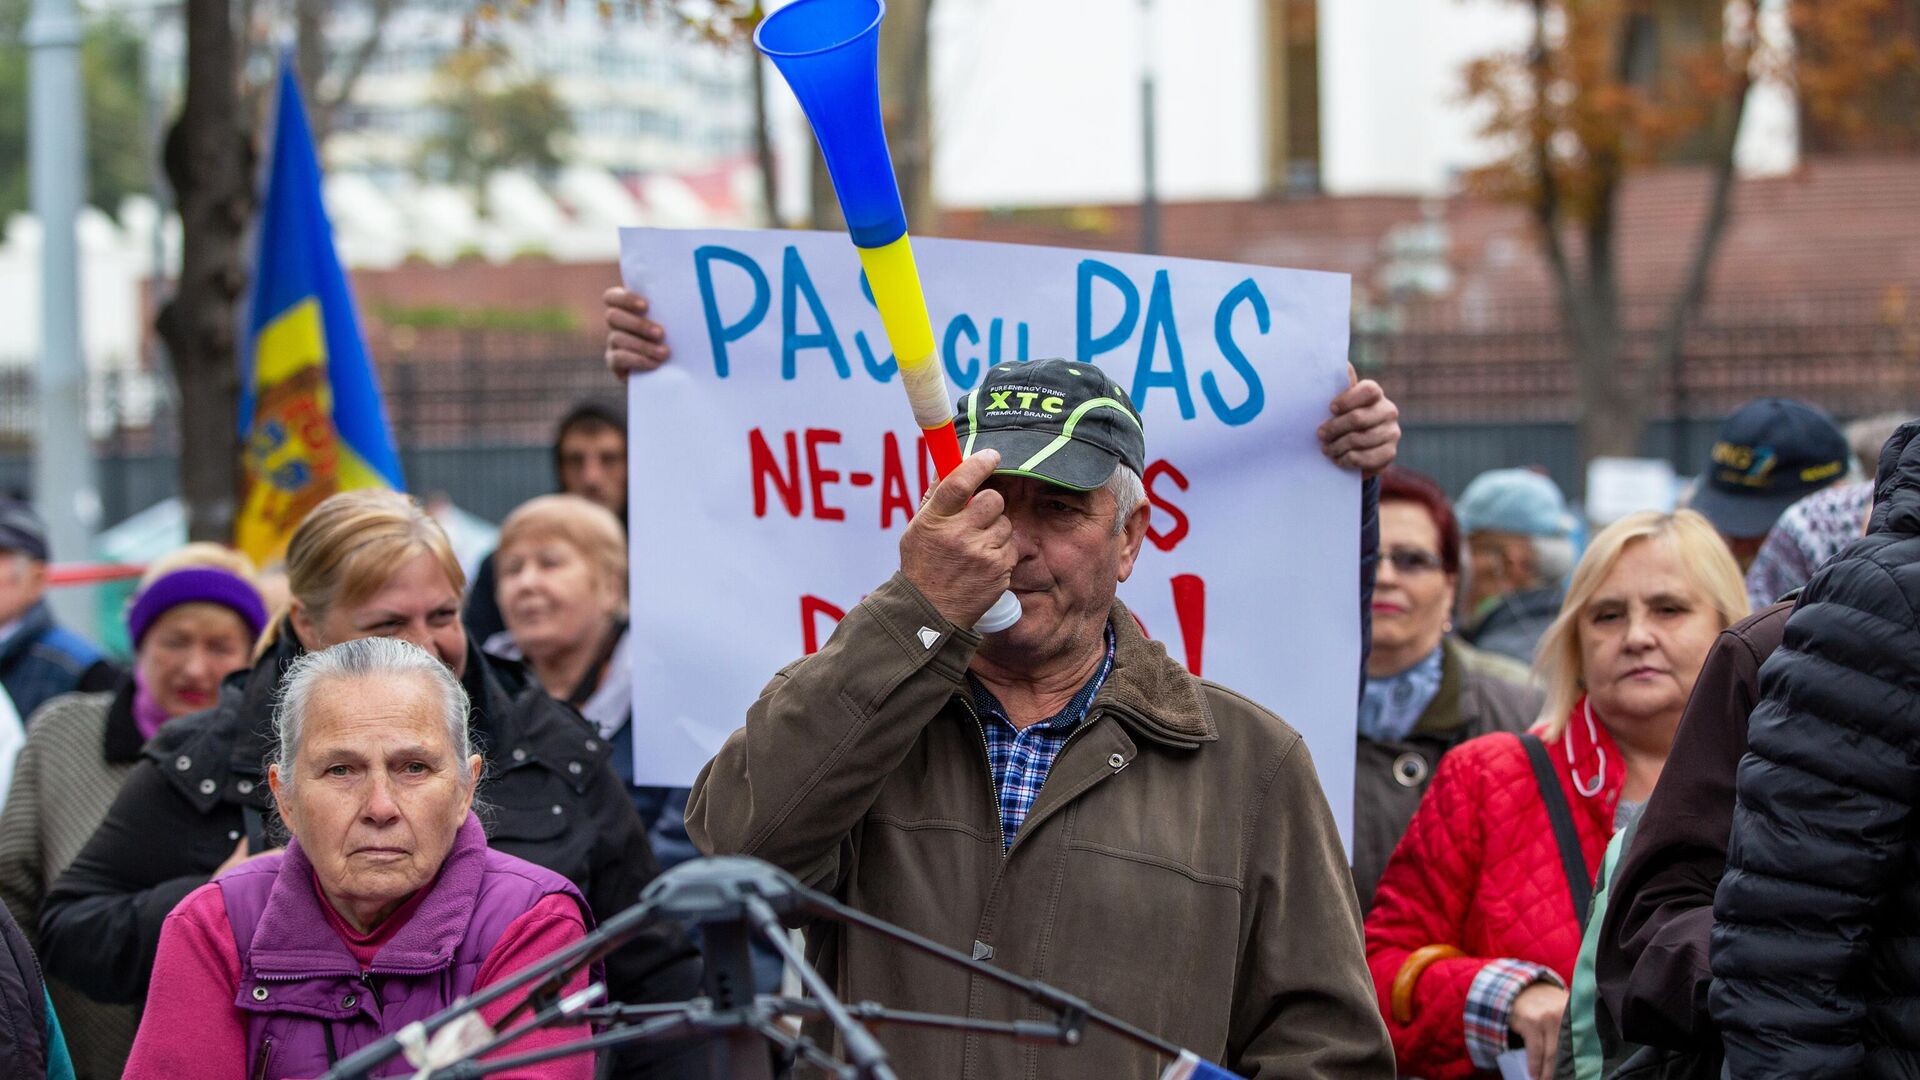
311, 419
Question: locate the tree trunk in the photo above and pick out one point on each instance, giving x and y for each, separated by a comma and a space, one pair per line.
905, 58
208, 164
763, 140
823, 209
310, 59
1611, 418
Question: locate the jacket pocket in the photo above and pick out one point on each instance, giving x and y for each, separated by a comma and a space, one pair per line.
534, 815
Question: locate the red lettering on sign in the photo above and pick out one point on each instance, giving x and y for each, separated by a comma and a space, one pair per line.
818, 477
1165, 541
766, 467
893, 483
1190, 607
811, 608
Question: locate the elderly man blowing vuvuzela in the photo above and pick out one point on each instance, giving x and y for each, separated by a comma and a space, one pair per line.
1060, 798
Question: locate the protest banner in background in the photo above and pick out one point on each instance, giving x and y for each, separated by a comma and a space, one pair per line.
774, 463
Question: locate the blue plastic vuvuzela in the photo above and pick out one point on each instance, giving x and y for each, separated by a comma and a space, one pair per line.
829, 51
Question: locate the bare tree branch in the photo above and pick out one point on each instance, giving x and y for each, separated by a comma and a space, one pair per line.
1546, 200
1693, 289
325, 109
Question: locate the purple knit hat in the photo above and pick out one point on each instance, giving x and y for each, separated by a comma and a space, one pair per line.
196, 584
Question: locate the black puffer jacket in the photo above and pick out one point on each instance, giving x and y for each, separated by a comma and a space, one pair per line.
24, 1032
549, 794
1816, 942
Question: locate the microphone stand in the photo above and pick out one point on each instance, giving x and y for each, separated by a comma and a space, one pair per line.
733, 899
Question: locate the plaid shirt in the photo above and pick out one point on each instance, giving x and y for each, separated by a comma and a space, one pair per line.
1021, 758
1490, 1006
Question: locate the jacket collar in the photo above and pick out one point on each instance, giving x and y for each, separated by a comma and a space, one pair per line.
1442, 716
122, 741
38, 620
1586, 752
1150, 692
294, 938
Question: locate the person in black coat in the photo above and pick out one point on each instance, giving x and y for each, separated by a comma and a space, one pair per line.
1816, 940
365, 563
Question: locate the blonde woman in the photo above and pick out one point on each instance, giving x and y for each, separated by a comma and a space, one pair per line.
1478, 917
367, 563
561, 570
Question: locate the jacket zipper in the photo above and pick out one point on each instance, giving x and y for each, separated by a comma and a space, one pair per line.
266, 1059
993, 786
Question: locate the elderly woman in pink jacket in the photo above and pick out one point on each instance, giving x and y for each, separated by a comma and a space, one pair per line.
384, 908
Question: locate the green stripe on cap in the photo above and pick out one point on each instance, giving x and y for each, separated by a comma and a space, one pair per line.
1066, 432
973, 421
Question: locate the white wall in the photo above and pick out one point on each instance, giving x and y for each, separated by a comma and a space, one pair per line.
1039, 102
1392, 119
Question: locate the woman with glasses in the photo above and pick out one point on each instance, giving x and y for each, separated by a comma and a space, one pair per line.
1478, 917
1426, 691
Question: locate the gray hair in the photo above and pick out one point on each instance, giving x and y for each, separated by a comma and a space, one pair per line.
384, 659
1128, 493
1867, 435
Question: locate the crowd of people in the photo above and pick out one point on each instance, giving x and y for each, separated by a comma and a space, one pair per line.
1632, 800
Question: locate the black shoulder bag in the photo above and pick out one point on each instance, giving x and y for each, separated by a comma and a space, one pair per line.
1579, 879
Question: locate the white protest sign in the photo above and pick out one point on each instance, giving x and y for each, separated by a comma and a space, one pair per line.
774, 463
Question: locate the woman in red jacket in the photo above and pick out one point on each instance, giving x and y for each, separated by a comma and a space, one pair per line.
1473, 932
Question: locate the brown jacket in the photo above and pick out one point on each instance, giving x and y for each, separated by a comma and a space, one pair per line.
1179, 870
1480, 692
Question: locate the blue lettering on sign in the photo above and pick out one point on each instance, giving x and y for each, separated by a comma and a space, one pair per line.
718, 331
1086, 346
1244, 293
881, 371
962, 339
798, 284
1159, 324
964, 378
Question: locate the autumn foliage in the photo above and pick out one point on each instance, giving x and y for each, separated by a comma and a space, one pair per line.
1604, 87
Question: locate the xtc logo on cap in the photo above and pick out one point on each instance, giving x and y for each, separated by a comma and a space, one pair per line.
1026, 399
1055, 421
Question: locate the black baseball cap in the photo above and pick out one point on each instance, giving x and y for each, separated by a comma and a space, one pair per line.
1771, 453
22, 530
1054, 420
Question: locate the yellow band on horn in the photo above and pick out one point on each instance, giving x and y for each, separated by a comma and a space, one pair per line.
903, 308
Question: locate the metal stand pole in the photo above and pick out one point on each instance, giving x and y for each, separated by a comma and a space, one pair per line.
63, 485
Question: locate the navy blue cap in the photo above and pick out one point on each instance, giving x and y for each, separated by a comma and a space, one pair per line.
22, 530
1770, 454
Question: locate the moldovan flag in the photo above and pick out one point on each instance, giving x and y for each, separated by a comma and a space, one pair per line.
311, 422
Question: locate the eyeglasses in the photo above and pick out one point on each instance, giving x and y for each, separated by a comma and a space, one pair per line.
1413, 561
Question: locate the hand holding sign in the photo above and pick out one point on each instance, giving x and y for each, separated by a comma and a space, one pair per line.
958, 550
634, 342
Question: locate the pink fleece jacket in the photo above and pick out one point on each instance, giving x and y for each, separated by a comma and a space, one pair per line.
191, 1028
